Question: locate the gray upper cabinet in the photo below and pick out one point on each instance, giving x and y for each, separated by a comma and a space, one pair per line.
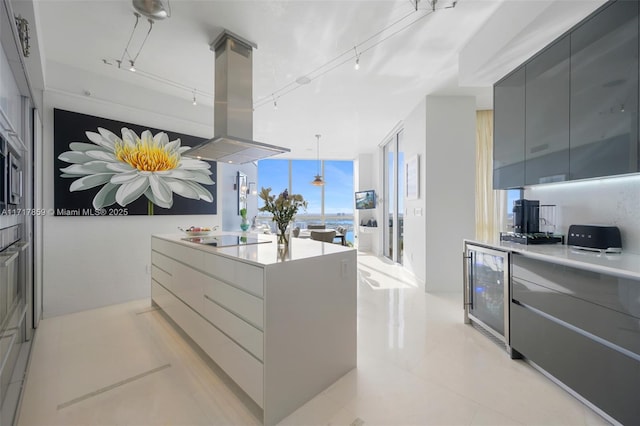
581, 105
604, 93
547, 115
508, 139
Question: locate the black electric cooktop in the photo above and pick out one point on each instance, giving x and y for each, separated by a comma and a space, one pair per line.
225, 240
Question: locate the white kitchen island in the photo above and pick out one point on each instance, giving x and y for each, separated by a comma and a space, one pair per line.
282, 326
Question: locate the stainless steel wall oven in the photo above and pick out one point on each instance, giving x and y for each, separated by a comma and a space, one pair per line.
14, 186
3, 172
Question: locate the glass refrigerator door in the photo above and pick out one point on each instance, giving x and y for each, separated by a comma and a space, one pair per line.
487, 288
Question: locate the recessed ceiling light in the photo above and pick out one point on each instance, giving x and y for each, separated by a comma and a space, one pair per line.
303, 80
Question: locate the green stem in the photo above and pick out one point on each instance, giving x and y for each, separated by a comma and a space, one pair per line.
149, 208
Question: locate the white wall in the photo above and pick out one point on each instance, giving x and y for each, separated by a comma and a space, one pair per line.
441, 131
414, 142
364, 174
612, 202
96, 261
449, 188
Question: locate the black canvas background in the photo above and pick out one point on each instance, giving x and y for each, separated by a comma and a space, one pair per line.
71, 127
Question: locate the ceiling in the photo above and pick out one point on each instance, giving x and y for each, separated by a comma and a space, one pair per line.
352, 109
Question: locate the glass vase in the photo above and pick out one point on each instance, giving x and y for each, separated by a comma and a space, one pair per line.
244, 224
284, 235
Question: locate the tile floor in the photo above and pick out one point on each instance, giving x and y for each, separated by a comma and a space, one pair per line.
418, 364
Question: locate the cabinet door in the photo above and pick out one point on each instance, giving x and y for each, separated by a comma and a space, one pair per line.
508, 136
547, 115
604, 93
605, 377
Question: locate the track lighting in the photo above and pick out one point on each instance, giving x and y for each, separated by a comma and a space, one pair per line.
419, 11
357, 65
125, 52
154, 9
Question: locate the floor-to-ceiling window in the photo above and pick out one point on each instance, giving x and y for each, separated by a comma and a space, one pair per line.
390, 197
331, 204
393, 153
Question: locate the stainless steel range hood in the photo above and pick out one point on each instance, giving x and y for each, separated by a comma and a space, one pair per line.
233, 107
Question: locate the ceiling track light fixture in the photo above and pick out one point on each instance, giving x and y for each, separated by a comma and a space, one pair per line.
364, 46
153, 9
318, 181
189, 89
125, 52
347, 56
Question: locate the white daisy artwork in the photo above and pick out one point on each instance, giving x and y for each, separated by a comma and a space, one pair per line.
127, 171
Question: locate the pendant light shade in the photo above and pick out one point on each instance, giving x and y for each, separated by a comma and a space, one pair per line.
318, 181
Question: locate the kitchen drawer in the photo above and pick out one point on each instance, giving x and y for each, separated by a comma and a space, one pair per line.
238, 330
163, 262
607, 378
620, 329
179, 252
619, 294
246, 306
161, 276
243, 368
239, 274
188, 284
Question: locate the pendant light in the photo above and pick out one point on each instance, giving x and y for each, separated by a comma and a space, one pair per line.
317, 181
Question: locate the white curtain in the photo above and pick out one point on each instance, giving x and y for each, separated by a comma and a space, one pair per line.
490, 204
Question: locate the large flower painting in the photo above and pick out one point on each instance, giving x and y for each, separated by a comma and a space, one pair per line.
131, 170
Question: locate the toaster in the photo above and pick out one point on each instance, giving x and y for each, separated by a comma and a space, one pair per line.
595, 237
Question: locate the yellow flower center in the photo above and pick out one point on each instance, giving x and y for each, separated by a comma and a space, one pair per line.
147, 156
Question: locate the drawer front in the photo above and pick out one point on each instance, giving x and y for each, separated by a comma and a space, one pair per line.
181, 253
246, 306
161, 276
242, 275
188, 285
606, 378
243, 369
619, 329
619, 294
163, 262
235, 328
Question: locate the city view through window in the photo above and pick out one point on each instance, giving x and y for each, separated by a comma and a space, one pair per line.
331, 204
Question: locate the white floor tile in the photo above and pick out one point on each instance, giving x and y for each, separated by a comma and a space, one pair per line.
418, 364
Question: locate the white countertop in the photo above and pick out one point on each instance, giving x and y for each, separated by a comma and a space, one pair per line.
620, 264
263, 253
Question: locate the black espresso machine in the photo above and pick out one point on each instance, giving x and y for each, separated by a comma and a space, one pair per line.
526, 216
526, 225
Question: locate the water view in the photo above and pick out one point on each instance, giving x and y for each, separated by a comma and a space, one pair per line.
335, 199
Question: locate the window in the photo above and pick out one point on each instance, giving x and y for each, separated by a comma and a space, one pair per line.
331, 204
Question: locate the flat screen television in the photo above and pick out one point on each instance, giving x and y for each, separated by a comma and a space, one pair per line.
366, 200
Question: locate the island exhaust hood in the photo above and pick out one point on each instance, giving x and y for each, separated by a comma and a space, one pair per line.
233, 106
